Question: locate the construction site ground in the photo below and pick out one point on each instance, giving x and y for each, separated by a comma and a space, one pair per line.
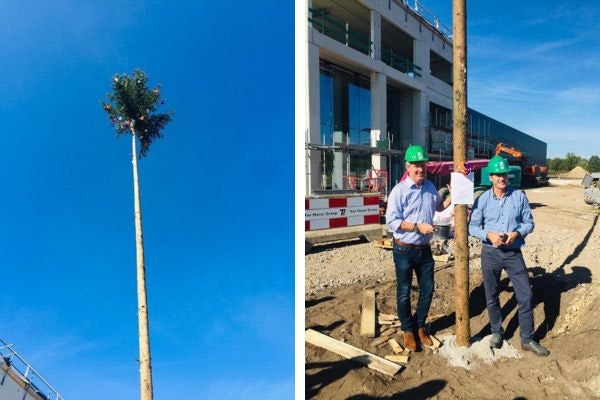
563, 259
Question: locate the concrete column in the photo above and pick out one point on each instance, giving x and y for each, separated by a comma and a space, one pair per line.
420, 119
408, 118
340, 163
421, 56
376, 34
378, 115
313, 175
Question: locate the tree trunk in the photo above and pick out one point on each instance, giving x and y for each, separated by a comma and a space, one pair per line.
144, 337
461, 236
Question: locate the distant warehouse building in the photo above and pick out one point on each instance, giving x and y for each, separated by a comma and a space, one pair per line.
380, 79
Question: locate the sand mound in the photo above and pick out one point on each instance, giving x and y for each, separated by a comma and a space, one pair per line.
575, 173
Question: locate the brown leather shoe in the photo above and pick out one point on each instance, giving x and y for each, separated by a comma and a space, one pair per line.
409, 341
424, 338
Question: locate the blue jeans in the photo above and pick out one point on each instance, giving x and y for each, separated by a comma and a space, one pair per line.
421, 261
493, 260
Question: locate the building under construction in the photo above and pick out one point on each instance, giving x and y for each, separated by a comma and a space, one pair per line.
19, 380
380, 79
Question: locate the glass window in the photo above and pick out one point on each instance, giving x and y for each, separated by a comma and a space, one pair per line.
345, 102
345, 106
359, 98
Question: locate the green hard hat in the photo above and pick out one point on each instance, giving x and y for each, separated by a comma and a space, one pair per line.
415, 153
497, 165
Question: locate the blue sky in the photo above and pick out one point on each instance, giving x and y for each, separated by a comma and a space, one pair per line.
217, 192
534, 66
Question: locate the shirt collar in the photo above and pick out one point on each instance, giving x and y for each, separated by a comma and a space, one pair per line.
411, 184
509, 190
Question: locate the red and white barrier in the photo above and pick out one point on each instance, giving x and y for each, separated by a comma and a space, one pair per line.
338, 212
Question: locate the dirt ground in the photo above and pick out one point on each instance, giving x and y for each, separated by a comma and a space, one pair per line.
563, 258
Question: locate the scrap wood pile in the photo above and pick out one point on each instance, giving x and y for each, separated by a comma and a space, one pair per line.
387, 339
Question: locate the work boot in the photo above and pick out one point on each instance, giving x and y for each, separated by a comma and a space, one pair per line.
496, 340
535, 348
409, 341
424, 338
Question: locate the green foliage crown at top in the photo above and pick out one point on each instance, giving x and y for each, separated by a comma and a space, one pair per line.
131, 108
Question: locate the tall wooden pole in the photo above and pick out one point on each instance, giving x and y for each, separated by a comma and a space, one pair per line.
461, 235
144, 337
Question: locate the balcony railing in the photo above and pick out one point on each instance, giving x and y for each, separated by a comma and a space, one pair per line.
340, 31
12, 361
402, 64
433, 19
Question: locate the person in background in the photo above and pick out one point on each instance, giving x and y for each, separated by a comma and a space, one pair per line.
501, 219
409, 215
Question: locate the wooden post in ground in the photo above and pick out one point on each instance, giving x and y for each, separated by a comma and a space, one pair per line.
461, 237
367, 321
146, 389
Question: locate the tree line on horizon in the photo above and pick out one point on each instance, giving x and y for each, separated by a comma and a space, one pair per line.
570, 161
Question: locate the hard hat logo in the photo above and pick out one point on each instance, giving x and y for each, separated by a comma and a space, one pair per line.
415, 154
497, 165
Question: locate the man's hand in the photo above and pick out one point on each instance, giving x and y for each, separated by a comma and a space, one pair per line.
497, 239
511, 237
425, 228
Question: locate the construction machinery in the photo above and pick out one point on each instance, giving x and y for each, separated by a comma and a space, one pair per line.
531, 174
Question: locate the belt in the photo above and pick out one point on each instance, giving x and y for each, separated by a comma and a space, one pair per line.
411, 246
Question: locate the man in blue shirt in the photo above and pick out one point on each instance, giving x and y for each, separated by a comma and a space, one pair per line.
409, 215
501, 218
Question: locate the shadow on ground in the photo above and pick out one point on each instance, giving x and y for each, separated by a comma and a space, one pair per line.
318, 248
314, 302
424, 391
547, 290
328, 372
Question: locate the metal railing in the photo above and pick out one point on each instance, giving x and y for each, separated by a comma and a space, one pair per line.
432, 19
402, 64
340, 31
25, 372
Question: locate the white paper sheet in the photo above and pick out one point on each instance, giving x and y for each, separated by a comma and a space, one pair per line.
461, 188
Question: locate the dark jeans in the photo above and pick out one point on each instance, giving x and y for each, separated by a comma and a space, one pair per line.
493, 260
406, 260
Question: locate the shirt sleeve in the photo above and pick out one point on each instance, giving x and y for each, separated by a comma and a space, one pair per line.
394, 213
476, 228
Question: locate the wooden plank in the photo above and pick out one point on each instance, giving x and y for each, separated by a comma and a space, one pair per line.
367, 322
383, 337
398, 358
383, 243
432, 318
378, 341
436, 343
387, 317
396, 348
442, 258
390, 324
389, 331
350, 352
